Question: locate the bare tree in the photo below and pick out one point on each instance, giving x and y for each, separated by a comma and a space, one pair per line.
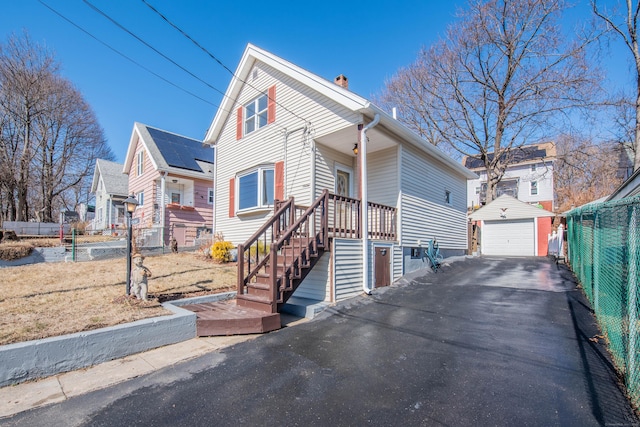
624, 23
584, 171
24, 68
502, 77
49, 136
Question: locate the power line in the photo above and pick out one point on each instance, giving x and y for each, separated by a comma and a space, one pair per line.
151, 47
187, 36
125, 56
211, 55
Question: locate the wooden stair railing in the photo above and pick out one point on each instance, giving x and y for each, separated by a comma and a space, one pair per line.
267, 280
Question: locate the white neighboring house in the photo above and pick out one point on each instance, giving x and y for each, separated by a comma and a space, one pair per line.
284, 132
110, 188
528, 178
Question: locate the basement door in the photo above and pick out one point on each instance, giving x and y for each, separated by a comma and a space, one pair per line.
382, 266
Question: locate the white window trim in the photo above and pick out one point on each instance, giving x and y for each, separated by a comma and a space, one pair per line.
262, 206
256, 121
343, 168
140, 197
210, 196
140, 163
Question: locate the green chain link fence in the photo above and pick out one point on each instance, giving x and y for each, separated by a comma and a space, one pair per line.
604, 253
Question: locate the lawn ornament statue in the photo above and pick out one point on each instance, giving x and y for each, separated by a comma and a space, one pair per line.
139, 275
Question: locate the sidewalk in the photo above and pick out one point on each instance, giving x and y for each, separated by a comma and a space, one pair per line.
58, 388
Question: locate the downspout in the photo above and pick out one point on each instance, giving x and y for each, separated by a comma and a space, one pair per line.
364, 211
215, 193
162, 206
313, 170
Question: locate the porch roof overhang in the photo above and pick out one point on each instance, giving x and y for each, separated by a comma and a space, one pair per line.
388, 133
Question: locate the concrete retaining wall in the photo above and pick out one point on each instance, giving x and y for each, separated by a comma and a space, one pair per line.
55, 254
42, 358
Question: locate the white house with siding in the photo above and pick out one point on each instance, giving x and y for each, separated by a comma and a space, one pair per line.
284, 132
528, 177
109, 187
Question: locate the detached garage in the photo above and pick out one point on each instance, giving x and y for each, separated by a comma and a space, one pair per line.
509, 227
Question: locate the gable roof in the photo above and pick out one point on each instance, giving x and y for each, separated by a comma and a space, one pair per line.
170, 152
510, 207
336, 93
525, 154
115, 182
629, 188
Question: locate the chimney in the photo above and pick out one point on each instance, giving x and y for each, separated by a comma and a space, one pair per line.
341, 80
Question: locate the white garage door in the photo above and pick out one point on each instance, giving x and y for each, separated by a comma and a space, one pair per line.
508, 238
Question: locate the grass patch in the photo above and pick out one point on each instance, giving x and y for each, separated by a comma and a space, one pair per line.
51, 299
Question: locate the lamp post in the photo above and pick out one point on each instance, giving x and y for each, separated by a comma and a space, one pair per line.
130, 204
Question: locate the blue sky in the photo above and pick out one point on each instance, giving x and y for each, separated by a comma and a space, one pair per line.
365, 40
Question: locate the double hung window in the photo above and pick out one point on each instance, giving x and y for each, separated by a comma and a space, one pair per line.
255, 114
256, 189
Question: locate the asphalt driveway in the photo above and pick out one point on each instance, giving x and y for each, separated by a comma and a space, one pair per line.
485, 341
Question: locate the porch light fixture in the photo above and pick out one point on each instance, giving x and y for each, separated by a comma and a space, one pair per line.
130, 204
355, 149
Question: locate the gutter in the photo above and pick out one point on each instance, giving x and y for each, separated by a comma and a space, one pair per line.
364, 211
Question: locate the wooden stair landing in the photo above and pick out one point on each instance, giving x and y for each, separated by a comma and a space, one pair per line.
221, 318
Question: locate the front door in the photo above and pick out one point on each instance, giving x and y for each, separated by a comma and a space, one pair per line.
344, 183
382, 269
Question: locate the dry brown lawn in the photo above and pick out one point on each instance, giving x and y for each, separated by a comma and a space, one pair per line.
51, 299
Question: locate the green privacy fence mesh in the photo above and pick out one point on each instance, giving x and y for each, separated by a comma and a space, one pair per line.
604, 252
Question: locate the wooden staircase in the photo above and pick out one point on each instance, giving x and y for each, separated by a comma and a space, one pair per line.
271, 266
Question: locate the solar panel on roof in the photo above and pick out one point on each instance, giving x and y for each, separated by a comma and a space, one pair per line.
181, 152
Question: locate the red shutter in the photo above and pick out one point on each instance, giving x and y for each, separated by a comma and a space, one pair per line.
271, 105
239, 124
232, 197
279, 180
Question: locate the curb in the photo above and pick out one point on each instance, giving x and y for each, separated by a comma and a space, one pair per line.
35, 359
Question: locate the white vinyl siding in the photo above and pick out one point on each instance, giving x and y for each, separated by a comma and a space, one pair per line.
508, 237
267, 145
316, 285
424, 214
326, 161
397, 268
382, 174
347, 279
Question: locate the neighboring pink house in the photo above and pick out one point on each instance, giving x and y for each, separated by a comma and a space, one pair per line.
172, 178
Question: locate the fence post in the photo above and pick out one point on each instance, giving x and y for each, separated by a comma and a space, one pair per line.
73, 244
595, 264
632, 280
240, 260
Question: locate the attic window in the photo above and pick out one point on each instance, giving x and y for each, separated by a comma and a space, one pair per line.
140, 163
255, 114
533, 167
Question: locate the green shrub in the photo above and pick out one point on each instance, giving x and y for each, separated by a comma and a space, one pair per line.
221, 251
258, 248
